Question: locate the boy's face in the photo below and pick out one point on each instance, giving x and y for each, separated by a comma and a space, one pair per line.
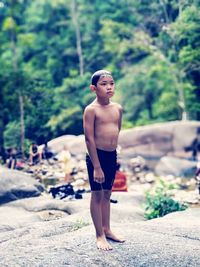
105, 87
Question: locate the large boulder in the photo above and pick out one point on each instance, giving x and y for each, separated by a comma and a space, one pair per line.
152, 142
75, 144
175, 166
16, 185
53, 239
159, 140
57, 144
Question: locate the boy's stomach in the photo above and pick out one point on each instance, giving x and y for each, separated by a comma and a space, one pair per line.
107, 144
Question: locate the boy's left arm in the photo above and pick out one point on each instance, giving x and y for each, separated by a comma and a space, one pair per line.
120, 116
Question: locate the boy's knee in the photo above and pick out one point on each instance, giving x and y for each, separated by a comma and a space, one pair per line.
97, 196
107, 195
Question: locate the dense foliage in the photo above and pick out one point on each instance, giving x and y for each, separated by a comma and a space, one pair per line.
50, 48
159, 203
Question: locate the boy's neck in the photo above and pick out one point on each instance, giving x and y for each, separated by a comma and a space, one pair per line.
103, 102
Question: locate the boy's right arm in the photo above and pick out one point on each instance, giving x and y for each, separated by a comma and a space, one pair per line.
88, 125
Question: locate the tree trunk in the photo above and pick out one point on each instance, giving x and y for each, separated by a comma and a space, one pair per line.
163, 5
22, 126
17, 87
178, 75
2, 149
78, 36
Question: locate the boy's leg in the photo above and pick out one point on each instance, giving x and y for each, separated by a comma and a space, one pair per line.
31, 159
96, 214
106, 218
105, 207
67, 178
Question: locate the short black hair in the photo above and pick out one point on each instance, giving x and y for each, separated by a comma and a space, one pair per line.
97, 75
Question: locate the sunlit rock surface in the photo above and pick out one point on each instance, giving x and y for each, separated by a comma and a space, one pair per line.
31, 236
175, 166
152, 142
158, 140
42, 231
16, 185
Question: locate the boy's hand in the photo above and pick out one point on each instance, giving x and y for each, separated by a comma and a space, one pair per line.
99, 175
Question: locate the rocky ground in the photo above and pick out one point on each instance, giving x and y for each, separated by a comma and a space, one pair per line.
43, 231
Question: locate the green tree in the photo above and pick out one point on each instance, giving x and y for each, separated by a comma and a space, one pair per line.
152, 48
187, 29
69, 102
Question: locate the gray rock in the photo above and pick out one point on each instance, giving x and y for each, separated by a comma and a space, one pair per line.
151, 142
175, 166
43, 208
170, 241
75, 144
158, 140
16, 185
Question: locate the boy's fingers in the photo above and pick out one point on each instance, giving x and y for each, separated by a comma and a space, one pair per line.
99, 179
102, 180
96, 179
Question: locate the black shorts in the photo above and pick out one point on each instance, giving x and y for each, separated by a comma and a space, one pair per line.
108, 160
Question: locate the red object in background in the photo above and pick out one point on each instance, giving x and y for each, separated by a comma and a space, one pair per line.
120, 182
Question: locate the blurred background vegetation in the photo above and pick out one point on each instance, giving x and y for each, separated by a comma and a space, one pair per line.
50, 48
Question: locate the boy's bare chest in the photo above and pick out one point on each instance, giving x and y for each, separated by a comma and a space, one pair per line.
107, 116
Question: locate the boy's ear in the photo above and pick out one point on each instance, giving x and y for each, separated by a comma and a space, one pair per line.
92, 87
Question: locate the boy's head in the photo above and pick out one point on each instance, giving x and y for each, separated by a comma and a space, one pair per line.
98, 74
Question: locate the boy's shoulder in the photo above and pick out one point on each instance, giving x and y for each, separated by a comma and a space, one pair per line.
92, 106
89, 109
117, 105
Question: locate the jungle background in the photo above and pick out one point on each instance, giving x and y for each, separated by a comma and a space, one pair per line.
50, 48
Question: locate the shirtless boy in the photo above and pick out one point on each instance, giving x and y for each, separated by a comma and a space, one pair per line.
102, 124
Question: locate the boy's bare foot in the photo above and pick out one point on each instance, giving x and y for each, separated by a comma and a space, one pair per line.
103, 244
111, 236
